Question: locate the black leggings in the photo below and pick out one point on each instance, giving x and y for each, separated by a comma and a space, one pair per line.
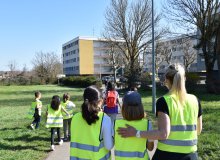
163, 155
53, 134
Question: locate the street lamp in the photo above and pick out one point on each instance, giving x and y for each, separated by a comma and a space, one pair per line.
153, 64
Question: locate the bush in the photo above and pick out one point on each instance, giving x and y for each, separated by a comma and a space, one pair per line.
81, 81
192, 80
145, 80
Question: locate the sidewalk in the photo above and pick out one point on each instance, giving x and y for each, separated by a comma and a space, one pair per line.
61, 152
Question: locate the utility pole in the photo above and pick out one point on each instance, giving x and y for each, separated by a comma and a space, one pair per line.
153, 65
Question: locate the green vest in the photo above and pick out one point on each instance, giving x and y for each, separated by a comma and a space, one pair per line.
54, 118
183, 121
31, 111
86, 142
132, 147
68, 109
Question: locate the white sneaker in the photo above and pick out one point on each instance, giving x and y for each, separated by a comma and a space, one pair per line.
52, 147
32, 126
61, 142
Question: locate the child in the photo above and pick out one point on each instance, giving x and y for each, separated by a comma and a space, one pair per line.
133, 114
91, 129
35, 111
111, 102
55, 119
68, 106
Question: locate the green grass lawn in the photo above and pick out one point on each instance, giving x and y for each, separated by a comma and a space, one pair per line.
19, 142
16, 140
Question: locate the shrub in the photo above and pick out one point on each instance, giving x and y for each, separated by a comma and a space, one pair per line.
192, 80
145, 79
81, 81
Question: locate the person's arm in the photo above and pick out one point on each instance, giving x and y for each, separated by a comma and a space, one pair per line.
150, 143
64, 110
199, 120
107, 132
199, 125
39, 105
160, 134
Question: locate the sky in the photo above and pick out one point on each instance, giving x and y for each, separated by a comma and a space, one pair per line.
31, 26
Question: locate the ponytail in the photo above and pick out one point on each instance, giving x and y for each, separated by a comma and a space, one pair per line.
90, 108
176, 74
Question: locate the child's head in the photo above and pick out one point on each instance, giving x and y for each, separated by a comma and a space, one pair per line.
55, 103
37, 94
66, 97
132, 108
92, 104
110, 86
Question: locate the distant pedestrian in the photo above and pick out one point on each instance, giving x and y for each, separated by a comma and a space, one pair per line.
68, 106
91, 129
35, 111
55, 119
111, 101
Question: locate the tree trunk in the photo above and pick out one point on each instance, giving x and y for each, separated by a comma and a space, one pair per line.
114, 70
218, 60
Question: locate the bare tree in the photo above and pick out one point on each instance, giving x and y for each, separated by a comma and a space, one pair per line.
47, 66
12, 65
189, 53
115, 57
200, 15
131, 22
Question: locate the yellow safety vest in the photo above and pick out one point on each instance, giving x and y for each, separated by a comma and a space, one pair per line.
86, 142
132, 147
54, 118
31, 111
183, 121
68, 109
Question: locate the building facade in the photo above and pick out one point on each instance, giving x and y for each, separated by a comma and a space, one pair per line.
86, 56
177, 50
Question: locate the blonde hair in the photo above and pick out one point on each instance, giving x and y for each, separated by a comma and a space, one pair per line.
175, 73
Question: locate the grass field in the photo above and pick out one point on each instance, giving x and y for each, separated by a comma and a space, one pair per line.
16, 140
20, 143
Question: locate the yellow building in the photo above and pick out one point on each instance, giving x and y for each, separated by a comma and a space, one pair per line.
85, 56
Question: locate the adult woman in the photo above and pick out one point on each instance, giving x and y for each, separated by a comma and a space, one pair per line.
179, 120
91, 129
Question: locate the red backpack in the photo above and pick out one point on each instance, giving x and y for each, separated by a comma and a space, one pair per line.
111, 99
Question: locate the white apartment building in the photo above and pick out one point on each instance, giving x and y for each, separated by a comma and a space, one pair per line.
178, 48
86, 56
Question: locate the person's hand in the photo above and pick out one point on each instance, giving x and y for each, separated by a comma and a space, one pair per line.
127, 132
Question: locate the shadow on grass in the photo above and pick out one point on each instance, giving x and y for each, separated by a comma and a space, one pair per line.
28, 138
20, 147
13, 129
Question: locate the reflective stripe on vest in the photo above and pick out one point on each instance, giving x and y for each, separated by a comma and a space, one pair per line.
86, 142
132, 147
130, 154
183, 127
180, 142
54, 118
183, 120
107, 156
